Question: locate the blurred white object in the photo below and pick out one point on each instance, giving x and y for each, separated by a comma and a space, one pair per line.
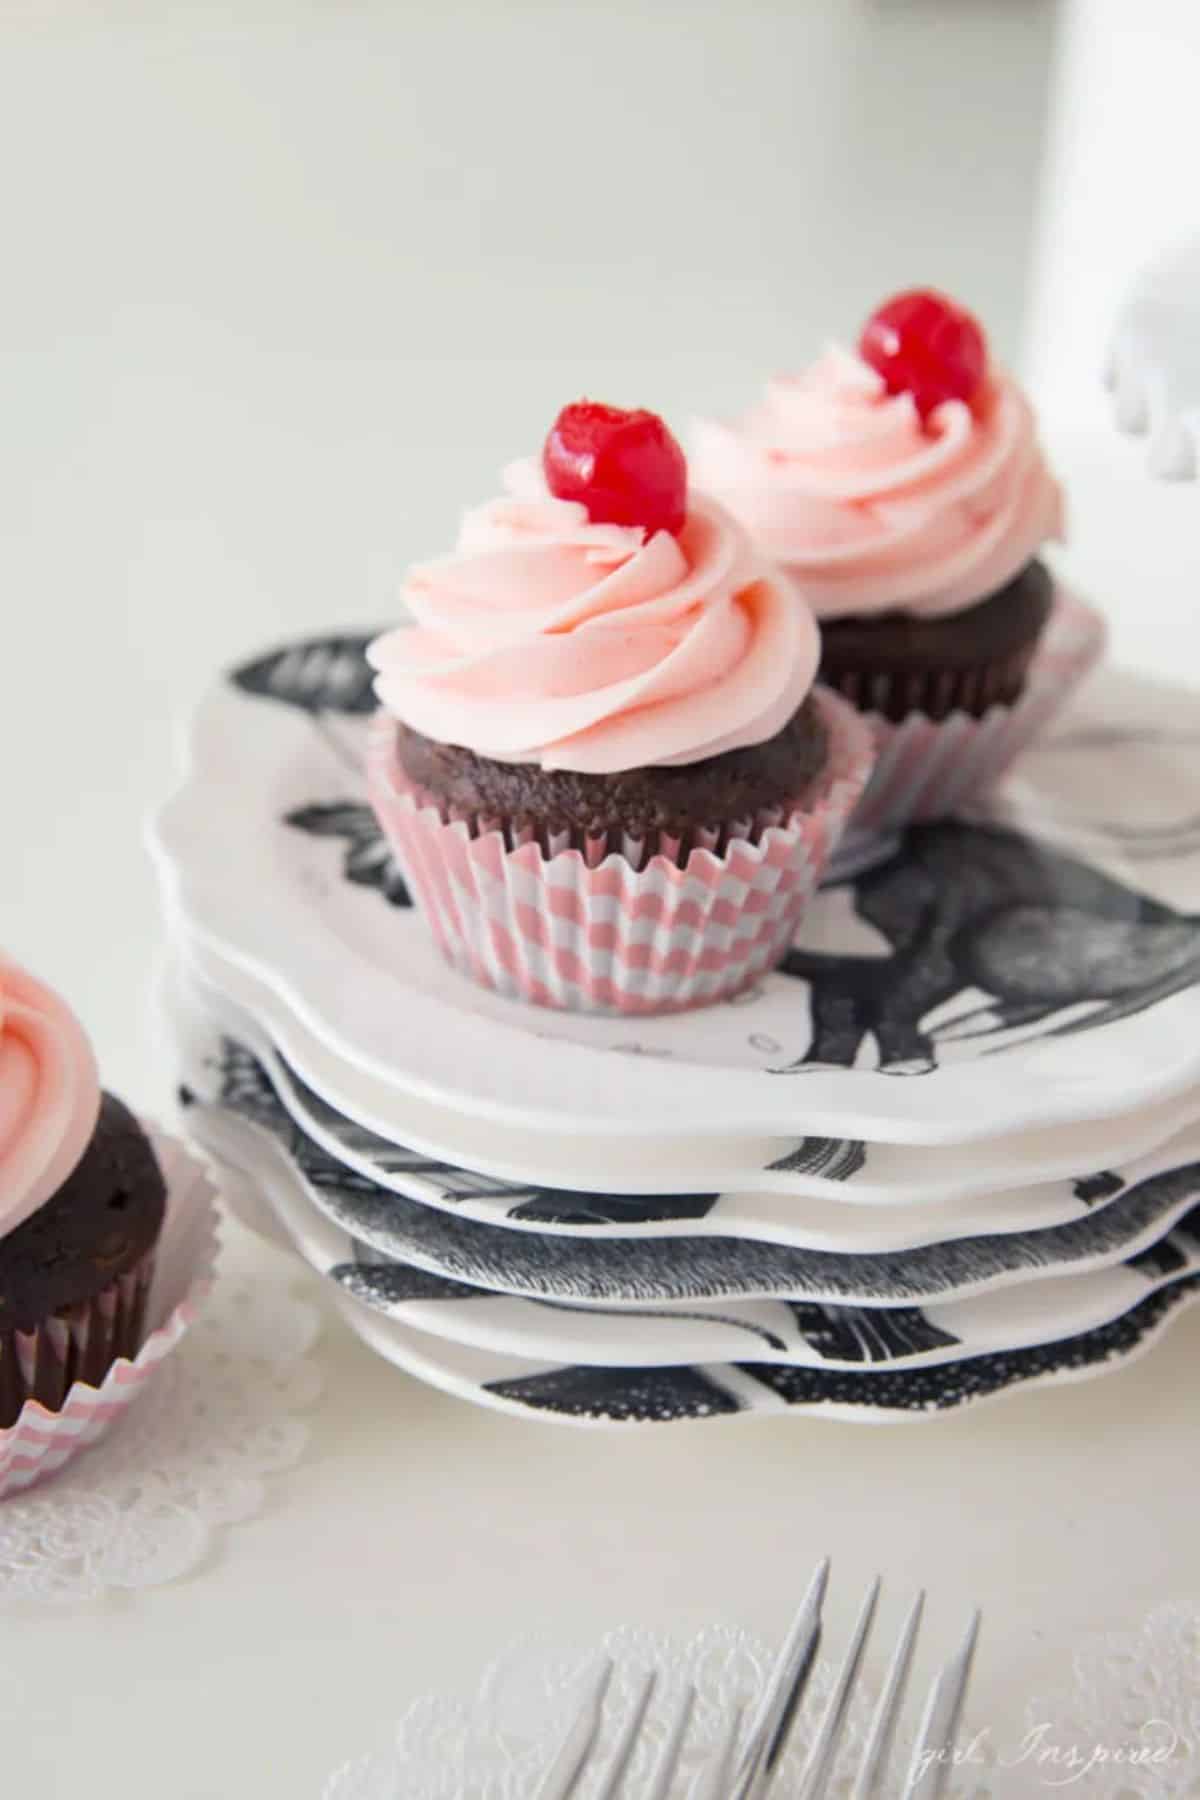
1153, 370
1123, 125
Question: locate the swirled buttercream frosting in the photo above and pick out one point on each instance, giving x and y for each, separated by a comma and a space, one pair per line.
547, 639
49, 1094
873, 510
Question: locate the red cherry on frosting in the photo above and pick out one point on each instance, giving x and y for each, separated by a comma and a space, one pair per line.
624, 465
924, 345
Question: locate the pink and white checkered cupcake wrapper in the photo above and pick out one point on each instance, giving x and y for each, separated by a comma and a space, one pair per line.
927, 769
618, 928
40, 1442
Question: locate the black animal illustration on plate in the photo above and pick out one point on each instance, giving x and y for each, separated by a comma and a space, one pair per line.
1101, 1186
968, 906
626, 1396
379, 1281
1172, 1254
662, 1396
325, 674
328, 679
565, 1206
368, 861
458, 1186
390, 1227
837, 1159
866, 1334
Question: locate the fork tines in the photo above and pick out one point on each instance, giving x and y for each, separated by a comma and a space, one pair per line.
744, 1764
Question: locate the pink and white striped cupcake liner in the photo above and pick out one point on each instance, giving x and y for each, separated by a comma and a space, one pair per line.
927, 769
626, 928
41, 1441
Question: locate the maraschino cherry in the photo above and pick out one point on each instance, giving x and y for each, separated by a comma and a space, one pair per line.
925, 345
624, 465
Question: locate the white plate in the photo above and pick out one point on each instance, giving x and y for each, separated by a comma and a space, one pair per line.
1085, 1219
608, 1398
585, 1395
796, 1334
355, 1222
772, 1187
974, 938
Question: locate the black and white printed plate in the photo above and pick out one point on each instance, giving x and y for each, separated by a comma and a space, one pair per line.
793, 1333
1009, 1183
355, 1226
211, 1033
1035, 967
585, 1395
614, 1397
589, 1395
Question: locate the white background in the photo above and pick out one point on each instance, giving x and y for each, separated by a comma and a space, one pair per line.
283, 286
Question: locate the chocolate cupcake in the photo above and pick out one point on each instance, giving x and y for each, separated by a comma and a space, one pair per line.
689, 805
904, 491
600, 757
82, 1202
970, 662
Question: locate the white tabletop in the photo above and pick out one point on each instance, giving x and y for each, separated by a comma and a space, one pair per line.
247, 374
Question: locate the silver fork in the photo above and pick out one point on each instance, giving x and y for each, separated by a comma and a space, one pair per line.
746, 1770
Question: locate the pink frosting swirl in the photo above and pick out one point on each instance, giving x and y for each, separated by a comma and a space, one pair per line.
547, 639
49, 1094
870, 511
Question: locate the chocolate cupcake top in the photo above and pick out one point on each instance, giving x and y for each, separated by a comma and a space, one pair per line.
905, 478
640, 804
99, 1224
49, 1094
562, 634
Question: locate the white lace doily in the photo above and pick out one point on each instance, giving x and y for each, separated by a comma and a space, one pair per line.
141, 1506
1125, 1725
495, 1746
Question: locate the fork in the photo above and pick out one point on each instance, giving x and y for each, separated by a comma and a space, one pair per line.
746, 1769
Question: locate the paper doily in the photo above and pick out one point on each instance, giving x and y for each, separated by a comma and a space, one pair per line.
1126, 1725
141, 1507
496, 1746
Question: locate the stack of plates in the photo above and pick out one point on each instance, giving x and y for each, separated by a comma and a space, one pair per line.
950, 1149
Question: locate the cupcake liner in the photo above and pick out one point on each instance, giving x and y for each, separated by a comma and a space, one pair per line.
79, 1343
629, 927
79, 1370
926, 768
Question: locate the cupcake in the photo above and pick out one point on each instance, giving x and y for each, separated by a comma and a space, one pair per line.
904, 490
82, 1203
600, 757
